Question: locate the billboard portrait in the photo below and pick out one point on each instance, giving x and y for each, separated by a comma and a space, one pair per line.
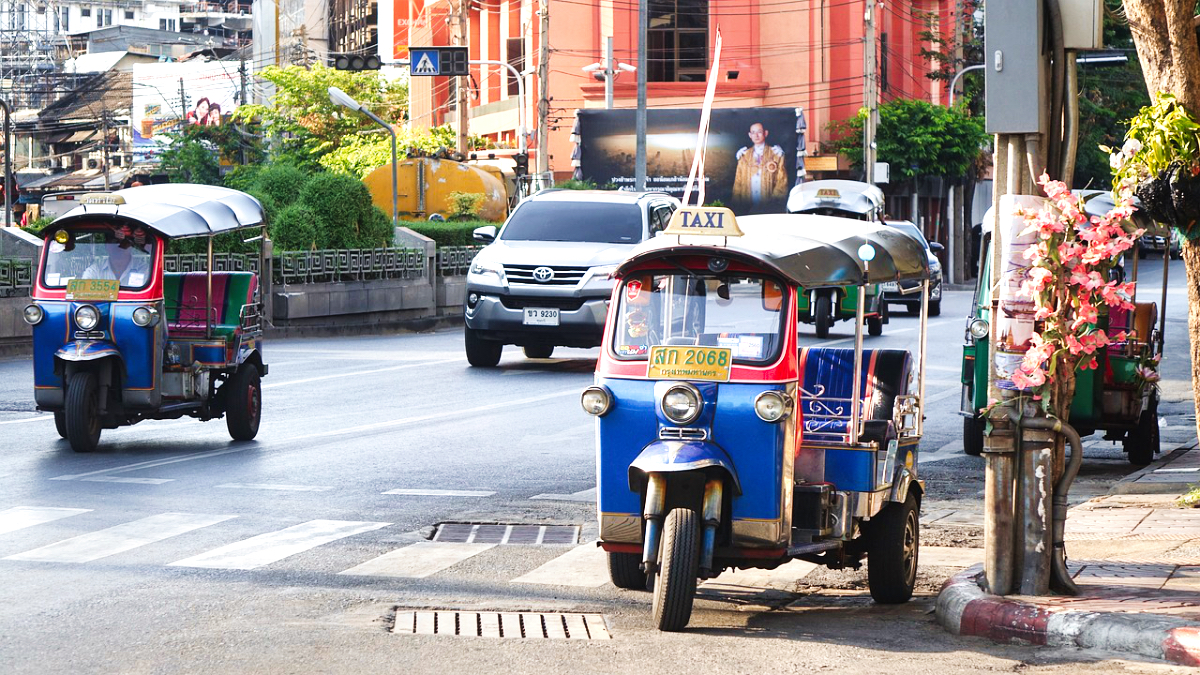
161, 104
752, 158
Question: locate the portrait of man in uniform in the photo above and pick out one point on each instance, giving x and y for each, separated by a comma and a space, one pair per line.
761, 175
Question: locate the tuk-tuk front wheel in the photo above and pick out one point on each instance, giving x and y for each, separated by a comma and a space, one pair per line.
625, 571
243, 404
83, 412
895, 541
678, 569
823, 315
875, 323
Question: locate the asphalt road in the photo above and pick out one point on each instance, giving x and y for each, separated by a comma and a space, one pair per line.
173, 549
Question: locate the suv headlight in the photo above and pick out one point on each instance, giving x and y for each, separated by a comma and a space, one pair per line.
33, 315
86, 317
682, 403
487, 268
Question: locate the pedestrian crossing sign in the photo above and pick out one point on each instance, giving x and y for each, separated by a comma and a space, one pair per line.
424, 61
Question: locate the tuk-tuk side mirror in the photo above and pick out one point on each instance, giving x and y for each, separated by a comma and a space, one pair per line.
936, 247
486, 234
772, 296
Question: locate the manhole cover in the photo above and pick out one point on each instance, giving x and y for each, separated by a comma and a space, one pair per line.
500, 533
527, 625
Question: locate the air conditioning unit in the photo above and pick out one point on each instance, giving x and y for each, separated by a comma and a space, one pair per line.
66, 162
93, 164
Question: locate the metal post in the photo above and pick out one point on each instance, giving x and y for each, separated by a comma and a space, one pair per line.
869, 94
610, 73
208, 306
544, 92
463, 82
639, 171
1034, 509
9, 182
395, 180
855, 387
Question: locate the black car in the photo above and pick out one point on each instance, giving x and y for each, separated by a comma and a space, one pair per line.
894, 292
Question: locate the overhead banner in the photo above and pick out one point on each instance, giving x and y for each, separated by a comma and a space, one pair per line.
169, 96
754, 155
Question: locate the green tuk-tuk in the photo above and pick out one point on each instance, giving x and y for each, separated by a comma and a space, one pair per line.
846, 199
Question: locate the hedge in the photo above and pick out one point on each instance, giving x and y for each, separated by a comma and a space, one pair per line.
447, 233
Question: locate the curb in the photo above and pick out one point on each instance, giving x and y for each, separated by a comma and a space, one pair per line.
963, 608
1128, 485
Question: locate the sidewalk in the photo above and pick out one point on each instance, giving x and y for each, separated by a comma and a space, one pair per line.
1136, 558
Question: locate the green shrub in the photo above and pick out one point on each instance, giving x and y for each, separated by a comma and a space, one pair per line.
464, 205
576, 184
295, 229
280, 183
447, 233
342, 206
242, 177
377, 231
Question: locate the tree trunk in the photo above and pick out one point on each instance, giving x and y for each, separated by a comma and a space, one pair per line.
1164, 33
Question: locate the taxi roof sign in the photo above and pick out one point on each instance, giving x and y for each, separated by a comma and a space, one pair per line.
828, 193
716, 221
102, 198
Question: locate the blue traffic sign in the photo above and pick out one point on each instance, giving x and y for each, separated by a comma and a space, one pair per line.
423, 61
428, 61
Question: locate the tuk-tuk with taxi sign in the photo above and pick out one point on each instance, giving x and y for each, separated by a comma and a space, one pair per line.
846, 199
118, 340
722, 443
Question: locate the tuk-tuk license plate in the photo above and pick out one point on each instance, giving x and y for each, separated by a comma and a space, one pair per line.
690, 363
93, 289
541, 316
889, 286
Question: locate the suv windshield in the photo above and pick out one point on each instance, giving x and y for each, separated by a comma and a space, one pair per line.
741, 312
120, 255
596, 222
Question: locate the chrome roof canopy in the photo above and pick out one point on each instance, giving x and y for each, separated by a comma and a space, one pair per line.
174, 210
846, 196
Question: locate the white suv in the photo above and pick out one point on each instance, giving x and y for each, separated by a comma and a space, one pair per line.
544, 279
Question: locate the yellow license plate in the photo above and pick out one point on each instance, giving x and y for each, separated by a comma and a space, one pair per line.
690, 363
93, 289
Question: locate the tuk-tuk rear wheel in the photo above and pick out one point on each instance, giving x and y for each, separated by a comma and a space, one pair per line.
875, 323
625, 571
973, 436
1142, 443
679, 566
892, 552
822, 316
243, 405
83, 412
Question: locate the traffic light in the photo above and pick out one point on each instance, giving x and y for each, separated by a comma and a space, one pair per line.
522, 161
356, 62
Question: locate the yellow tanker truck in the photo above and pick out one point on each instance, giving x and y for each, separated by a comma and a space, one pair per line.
424, 186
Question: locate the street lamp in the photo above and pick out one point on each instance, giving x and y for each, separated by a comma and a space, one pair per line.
607, 72
339, 97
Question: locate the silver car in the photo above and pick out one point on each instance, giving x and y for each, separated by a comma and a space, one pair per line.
897, 293
543, 280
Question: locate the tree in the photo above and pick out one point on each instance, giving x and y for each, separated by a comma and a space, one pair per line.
916, 138
1165, 36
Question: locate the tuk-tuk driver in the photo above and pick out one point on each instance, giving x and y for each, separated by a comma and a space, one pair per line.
761, 175
121, 264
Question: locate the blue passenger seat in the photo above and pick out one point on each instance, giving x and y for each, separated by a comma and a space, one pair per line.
826, 382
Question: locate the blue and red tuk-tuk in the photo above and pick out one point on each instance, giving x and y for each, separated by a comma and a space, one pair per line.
721, 442
117, 340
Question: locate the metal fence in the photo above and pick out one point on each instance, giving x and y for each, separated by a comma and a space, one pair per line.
455, 260
16, 275
222, 262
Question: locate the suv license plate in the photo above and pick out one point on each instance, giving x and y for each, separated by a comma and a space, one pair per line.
540, 316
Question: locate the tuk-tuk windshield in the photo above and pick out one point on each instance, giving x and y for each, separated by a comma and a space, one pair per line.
742, 312
108, 253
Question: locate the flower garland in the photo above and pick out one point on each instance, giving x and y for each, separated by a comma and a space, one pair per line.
1070, 285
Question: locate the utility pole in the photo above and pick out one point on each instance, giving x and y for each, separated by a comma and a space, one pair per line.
104, 145
870, 93
463, 83
544, 91
639, 180
242, 101
183, 105
610, 73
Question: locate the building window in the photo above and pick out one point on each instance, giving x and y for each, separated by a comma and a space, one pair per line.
129, 14
103, 17
85, 11
677, 43
516, 59
65, 24
20, 20
166, 24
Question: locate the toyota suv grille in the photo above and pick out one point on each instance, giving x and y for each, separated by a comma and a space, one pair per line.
544, 275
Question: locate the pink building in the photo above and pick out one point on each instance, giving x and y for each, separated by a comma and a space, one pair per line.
776, 53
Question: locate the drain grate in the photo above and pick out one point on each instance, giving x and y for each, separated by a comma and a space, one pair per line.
500, 533
528, 625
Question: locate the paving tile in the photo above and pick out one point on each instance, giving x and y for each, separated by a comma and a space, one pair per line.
1186, 579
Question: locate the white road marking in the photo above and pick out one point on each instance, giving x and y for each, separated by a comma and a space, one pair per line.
319, 378
153, 463
39, 418
274, 486
585, 565
887, 333
273, 546
416, 492
588, 495
950, 450
119, 479
124, 537
418, 560
21, 517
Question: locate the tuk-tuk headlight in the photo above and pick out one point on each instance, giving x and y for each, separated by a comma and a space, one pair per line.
33, 315
681, 403
86, 317
772, 406
978, 328
145, 316
596, 400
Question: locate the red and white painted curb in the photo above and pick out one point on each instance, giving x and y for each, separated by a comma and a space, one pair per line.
963, 608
